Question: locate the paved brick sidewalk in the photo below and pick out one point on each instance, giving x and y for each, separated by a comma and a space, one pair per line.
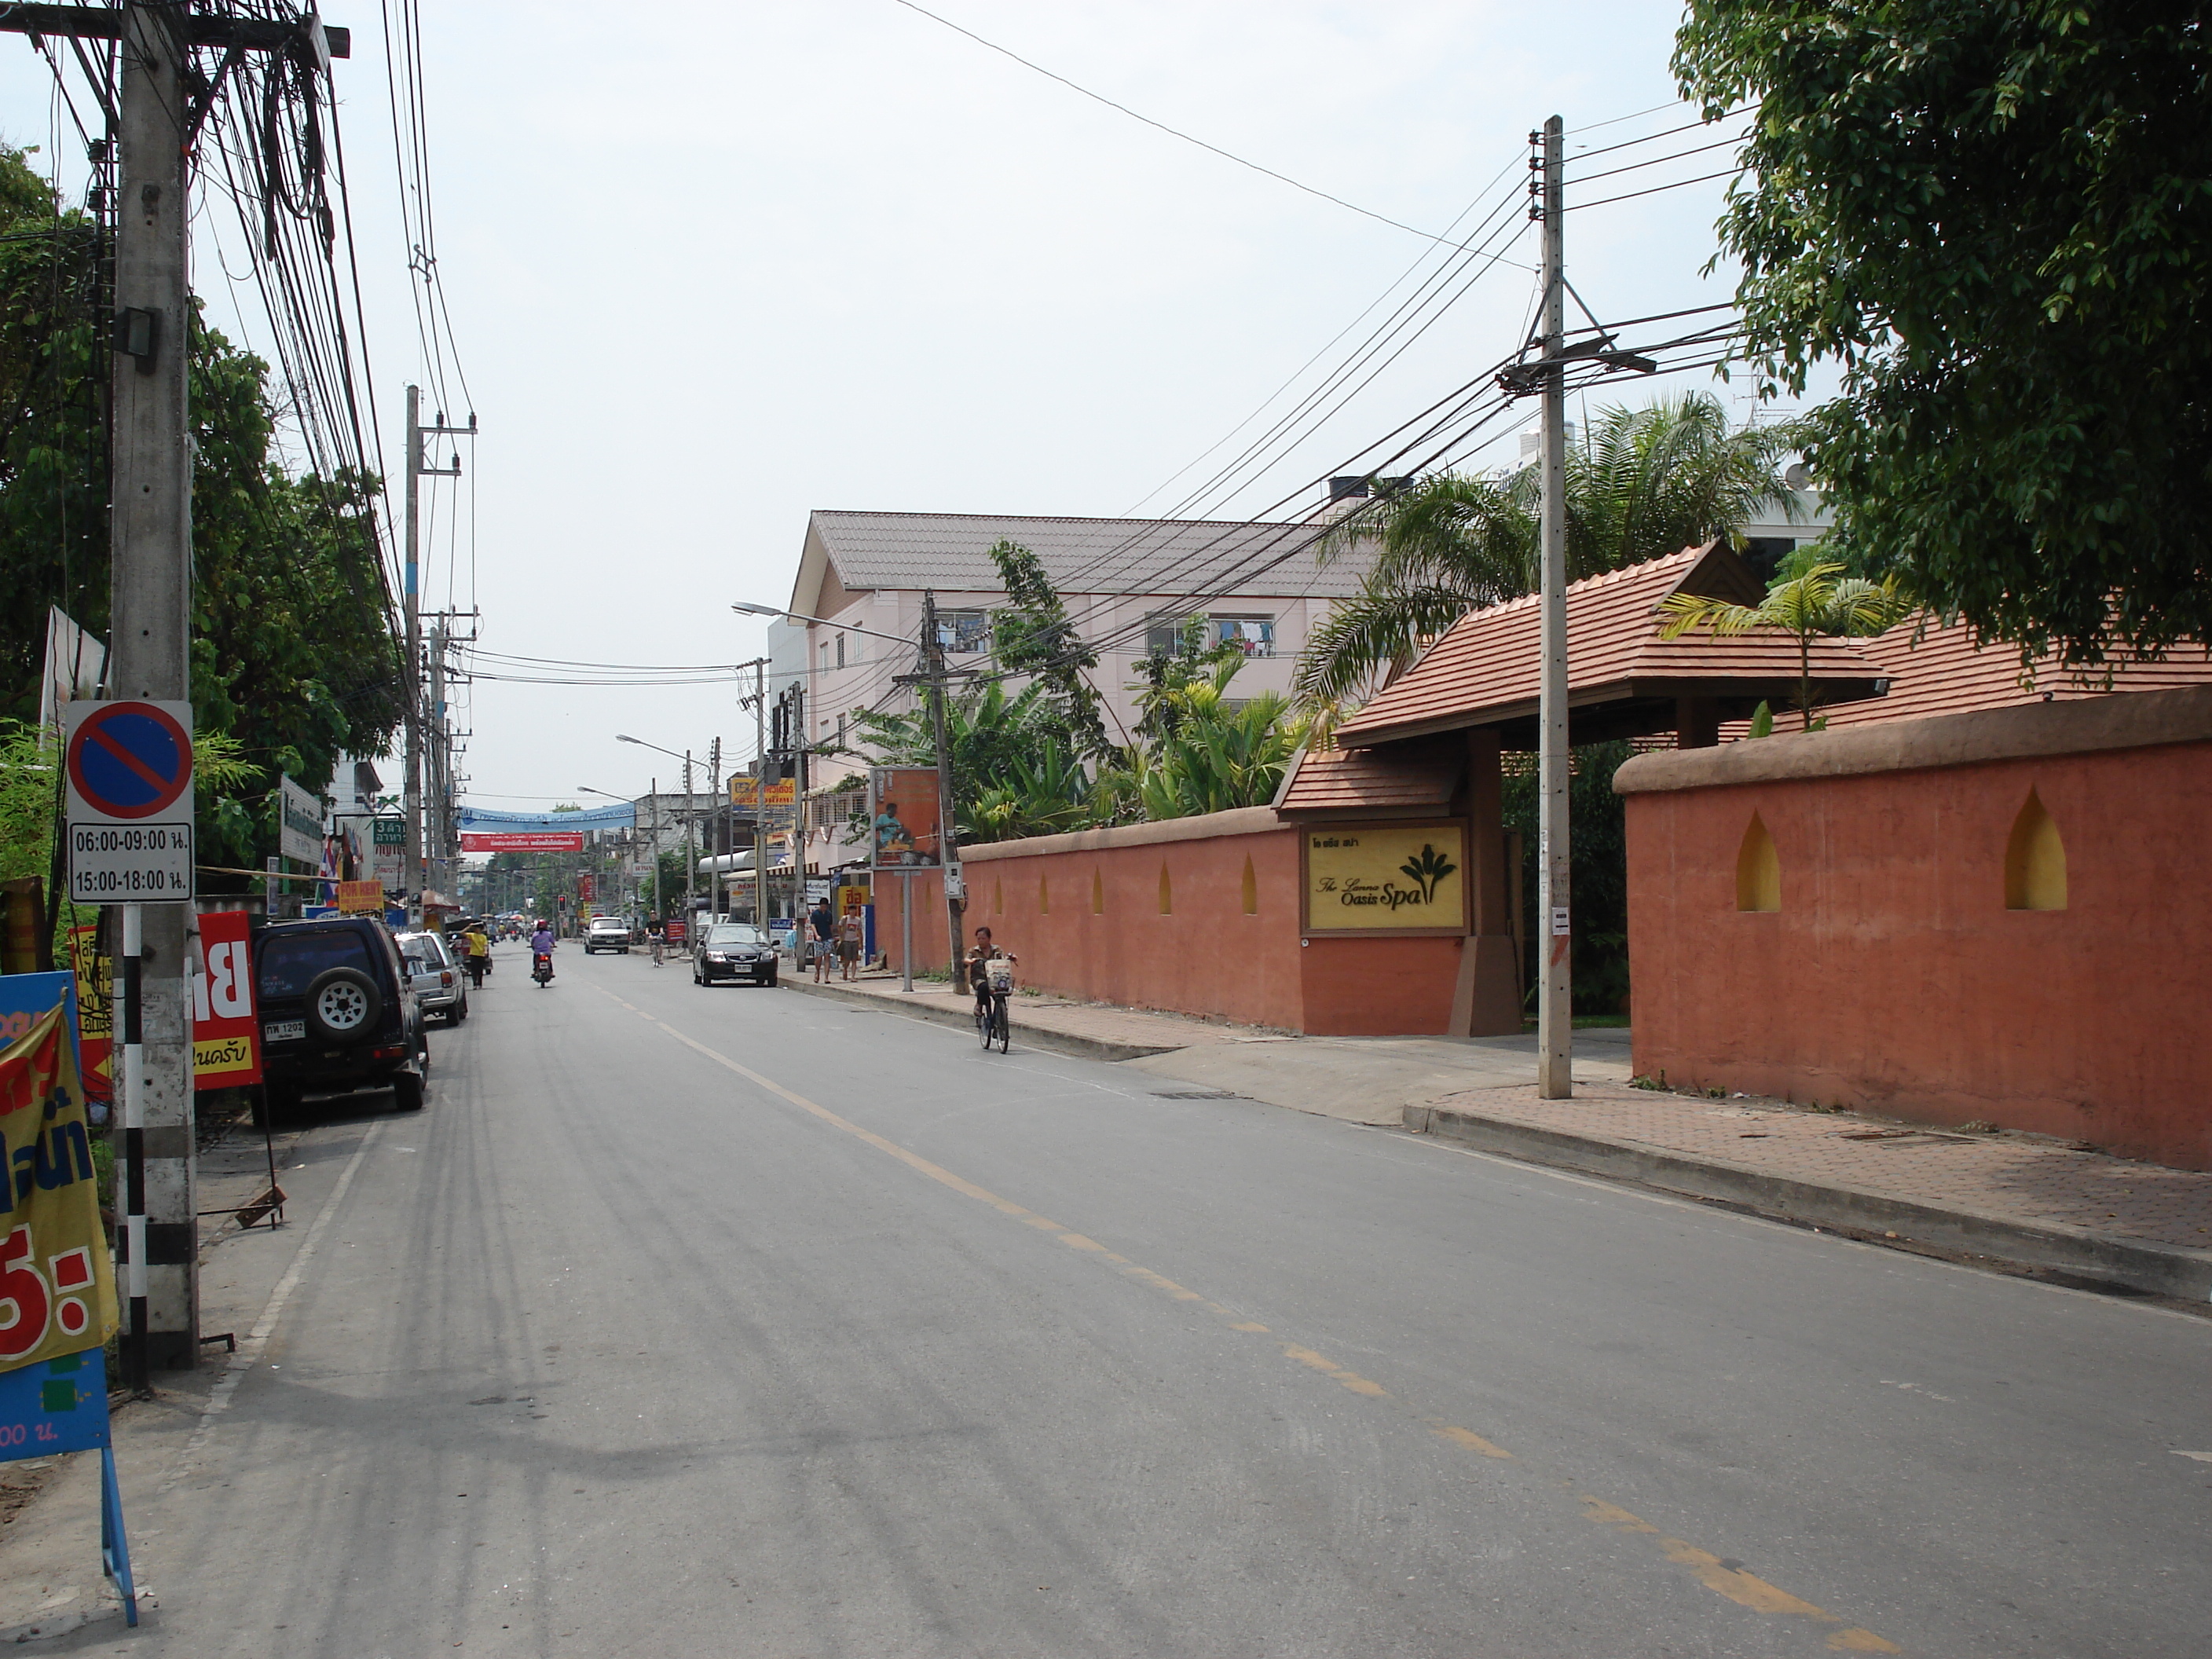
2017, 1178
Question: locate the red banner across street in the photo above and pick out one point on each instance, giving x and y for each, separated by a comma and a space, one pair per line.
522, 841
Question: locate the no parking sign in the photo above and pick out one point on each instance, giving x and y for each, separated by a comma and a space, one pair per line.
130, 798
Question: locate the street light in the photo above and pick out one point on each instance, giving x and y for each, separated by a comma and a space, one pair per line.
848, 628
689, 816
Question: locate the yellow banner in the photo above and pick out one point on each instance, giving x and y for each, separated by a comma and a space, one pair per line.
57, 1289
219, 1056
1386, 878
745, 791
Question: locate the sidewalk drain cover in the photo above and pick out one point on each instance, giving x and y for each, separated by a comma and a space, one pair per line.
1194, 1094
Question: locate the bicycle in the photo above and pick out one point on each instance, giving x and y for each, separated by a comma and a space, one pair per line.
657, 948
992, 1023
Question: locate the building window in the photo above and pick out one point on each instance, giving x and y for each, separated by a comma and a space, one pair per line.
963, 632
1253, 635
1161, 638
841, 650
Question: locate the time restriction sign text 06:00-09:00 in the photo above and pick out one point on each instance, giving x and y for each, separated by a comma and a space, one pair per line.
111, 863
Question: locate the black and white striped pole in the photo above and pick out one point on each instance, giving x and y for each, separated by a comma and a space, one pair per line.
133, 1123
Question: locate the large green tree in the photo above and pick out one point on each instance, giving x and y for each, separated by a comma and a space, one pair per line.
292, 653
1642, 483
1995, 215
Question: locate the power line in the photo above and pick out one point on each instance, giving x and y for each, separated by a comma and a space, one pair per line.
1173, 132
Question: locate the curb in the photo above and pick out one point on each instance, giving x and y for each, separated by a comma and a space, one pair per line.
1037, 1036
2185, 1275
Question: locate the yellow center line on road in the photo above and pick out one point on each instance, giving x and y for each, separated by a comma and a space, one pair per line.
1744, 1588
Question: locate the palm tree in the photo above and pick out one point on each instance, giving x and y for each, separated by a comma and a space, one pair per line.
1822, 600
1645, 482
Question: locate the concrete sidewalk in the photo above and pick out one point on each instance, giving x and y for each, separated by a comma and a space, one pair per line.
2022, 1201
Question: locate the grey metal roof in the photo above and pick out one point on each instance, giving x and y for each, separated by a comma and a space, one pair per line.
950, 551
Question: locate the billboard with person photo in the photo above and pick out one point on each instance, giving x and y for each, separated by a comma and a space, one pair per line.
903, 816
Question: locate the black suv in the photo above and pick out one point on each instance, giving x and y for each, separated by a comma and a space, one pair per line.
336, 1012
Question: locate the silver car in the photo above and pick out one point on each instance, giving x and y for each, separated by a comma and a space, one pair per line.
435, 975
607, 934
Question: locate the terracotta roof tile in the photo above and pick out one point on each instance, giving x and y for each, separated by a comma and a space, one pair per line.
1421, 778
1487, 667
1947, 672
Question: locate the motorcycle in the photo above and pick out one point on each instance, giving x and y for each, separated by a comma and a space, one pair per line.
541, 969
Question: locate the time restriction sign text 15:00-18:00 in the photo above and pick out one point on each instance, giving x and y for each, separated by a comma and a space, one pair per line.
129, 767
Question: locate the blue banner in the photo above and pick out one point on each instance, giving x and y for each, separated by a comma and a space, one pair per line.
623, 817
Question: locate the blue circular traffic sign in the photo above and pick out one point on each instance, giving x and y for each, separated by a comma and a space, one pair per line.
130, 760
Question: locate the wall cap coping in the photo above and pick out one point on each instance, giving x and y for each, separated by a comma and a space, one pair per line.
2126, 719
1238, 821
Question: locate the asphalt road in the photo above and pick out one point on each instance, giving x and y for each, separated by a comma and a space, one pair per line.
731, 1321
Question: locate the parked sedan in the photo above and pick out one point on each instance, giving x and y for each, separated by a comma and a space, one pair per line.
435, 972
734, 950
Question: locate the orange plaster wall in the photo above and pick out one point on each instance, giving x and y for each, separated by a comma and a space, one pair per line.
1893, 978
1205, 955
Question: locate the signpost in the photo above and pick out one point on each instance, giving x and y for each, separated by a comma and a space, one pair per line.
129, 803
388, 853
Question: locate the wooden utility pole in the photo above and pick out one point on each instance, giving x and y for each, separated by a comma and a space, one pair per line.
1555, 981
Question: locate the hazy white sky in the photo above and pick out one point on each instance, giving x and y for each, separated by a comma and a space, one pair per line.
712, 265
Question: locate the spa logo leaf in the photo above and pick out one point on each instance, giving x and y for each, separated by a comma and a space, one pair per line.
1428, 868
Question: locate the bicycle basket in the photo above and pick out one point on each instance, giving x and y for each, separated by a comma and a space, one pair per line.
1000, 976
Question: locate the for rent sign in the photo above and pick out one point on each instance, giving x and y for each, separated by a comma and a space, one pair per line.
1385, 878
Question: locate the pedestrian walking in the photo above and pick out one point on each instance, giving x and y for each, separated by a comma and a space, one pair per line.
848, 946
821, 928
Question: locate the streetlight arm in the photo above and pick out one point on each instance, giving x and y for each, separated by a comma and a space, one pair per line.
849, 628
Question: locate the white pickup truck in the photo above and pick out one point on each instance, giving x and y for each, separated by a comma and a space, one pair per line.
607, 934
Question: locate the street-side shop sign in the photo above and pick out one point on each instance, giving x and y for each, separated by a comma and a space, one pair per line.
300, 832
226, 1031
128, 802
1391, 879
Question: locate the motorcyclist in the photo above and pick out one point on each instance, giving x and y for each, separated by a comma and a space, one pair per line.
541, 948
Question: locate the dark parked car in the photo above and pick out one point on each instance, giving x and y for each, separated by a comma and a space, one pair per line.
734, 950
336, 1012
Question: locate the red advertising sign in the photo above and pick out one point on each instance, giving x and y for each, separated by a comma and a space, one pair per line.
95, 1010
584, 889
522, 841
226, 1035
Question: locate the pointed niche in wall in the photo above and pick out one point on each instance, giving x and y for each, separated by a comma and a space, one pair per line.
1167, 891
1758, 869
1251, 888
2035, 860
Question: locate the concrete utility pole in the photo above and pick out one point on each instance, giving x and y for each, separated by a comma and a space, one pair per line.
715, 837
690, 856
435, 850
653, 808
948, 841
418, 467
149, 652
1555, 981
760, 793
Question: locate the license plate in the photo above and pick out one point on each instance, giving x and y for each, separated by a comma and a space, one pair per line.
285, 1030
